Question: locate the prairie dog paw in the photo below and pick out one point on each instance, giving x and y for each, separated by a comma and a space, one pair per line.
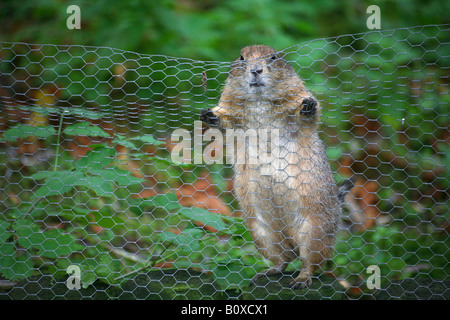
208, 117
301, 282
309, 107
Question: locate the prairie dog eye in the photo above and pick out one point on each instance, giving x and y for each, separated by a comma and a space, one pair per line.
241, 57
274, 57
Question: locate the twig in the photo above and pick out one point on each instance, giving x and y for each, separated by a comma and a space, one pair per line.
116, 251
58, 141
148, 265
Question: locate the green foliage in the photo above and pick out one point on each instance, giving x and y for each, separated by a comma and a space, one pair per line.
208, 30
392, 250
95, 180
396, 79
25, 234
22, 131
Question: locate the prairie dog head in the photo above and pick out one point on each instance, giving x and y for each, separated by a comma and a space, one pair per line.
260, 72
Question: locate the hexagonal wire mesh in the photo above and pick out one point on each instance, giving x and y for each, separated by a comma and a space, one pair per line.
89, 181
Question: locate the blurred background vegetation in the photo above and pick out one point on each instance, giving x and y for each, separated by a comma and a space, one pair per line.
205, 29
386, 119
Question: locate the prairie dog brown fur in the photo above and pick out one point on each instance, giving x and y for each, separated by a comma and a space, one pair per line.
292, 203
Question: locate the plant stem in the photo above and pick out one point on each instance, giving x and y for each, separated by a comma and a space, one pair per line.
149, 264
33, 205
55, 165
118, 252
58, 141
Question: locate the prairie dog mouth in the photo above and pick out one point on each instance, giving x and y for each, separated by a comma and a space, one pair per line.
256, 81
256, 84
256, 78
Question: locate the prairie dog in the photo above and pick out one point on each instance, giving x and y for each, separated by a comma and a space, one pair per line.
291, 204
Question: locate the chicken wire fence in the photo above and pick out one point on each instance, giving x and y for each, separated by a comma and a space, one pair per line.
93, 204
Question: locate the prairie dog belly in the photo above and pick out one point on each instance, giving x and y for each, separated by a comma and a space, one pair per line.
270, 194
284, 190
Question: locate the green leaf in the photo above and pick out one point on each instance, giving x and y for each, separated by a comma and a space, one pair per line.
88, 275
60, 182
22, 131
204, 216
23, 267
103, 267
4, 233
167, 201
149, 139
32, 241
97, 159
80, 112
98, 185
12, 266
103, 270
85, 129
114, 266
187, 241
169, 162
6, 252
45, 111
229, 273
25, 228
217, 177
237, 228
51, 243
57, 243
333, 153
106, 221
119, 176
57, 182
123, 141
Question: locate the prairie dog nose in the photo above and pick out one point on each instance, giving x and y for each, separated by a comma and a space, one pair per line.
256, 70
